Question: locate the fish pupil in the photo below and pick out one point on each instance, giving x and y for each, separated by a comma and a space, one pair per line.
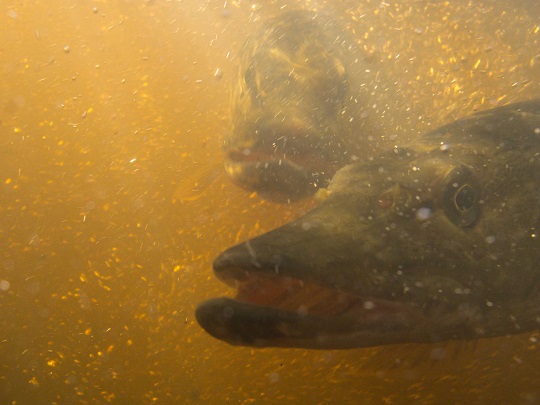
464, 198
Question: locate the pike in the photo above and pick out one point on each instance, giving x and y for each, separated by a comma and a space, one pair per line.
433, 241
306, 101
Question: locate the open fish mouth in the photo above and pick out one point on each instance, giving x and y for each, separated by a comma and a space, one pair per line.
281, 311
278, 178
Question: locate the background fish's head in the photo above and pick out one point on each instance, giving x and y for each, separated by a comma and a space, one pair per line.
294, 111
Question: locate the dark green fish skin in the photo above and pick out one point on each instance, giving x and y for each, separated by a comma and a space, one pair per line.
435, 241
306, 101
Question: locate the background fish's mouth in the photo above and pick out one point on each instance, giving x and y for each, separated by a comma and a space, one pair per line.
277, 310
278, 179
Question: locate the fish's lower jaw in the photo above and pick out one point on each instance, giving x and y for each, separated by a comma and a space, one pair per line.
248, 324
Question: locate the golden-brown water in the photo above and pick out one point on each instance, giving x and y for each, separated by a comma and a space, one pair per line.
112, 208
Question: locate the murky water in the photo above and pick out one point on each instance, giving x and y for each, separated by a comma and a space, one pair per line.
112, 205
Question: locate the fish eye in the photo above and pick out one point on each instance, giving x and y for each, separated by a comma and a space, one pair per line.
461, 198
464, 198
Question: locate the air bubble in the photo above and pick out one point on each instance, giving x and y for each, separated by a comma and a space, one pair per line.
4, 285
274, 377
423, 213
369, 305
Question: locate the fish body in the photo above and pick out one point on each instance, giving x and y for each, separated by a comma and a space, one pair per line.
433, 241
305, 101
